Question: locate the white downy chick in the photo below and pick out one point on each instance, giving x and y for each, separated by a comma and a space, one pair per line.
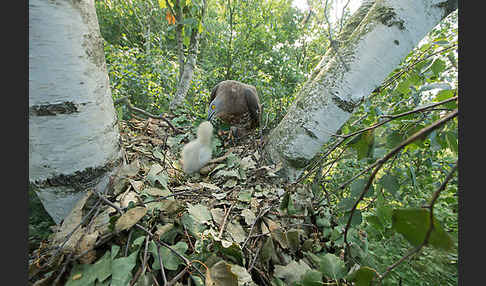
197, 153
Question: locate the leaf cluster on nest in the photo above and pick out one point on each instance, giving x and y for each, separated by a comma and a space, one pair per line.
236, 223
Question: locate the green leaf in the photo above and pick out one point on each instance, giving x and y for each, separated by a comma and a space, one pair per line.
291, 272
413, 224
356, 220
357, 188
390, 184
331, 266
268, 250
155, 174
193, 226
199, 212
170, 260
451, 138
121, 269
231, 251
312, 278
383, 212
346, 204
434, 142
404, 86
437, 66
446, 94
363, 276
443, 95
284, 203
363, 144
393, 139
374, 221
200, 27
114, 251
186, 41
103, 267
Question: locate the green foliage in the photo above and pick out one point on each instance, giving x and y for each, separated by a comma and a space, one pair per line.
332, 267
392, 214
117, 271
414, 223
267, 44
39, 221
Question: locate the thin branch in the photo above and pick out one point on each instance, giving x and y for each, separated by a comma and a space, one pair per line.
341, 21
224, 220
260, 215
131, 107
392, 79
178, 276
381, 123
161, 263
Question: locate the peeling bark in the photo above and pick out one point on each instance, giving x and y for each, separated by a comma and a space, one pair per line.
73, 131
376, 38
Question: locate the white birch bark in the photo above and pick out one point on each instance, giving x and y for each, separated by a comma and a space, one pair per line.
73, 131
378, 36
189, 66
186, 78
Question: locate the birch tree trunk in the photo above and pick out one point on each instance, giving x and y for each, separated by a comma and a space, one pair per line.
376, 38
188, 67
73, 131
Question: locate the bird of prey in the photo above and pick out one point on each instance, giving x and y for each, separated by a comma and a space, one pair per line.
236, 104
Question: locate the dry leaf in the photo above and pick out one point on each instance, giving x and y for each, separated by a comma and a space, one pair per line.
210, 186
247, 163
86, 244
130, 218
130, 196
218, 215
70, 223
137, 185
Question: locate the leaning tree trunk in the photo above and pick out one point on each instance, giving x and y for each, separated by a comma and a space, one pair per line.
188, 68
73, 132
377, 37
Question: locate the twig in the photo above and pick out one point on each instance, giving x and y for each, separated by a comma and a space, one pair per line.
66, 239
160, 242
224, 220
396, 116
255, 258
260, 215
144, 262
58, 278
133, 108
178, 276
161, 266
128, 242
392, 79
392, 117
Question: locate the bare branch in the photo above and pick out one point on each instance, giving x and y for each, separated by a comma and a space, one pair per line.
131, 107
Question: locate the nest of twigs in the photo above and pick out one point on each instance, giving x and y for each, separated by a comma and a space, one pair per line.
235, 223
